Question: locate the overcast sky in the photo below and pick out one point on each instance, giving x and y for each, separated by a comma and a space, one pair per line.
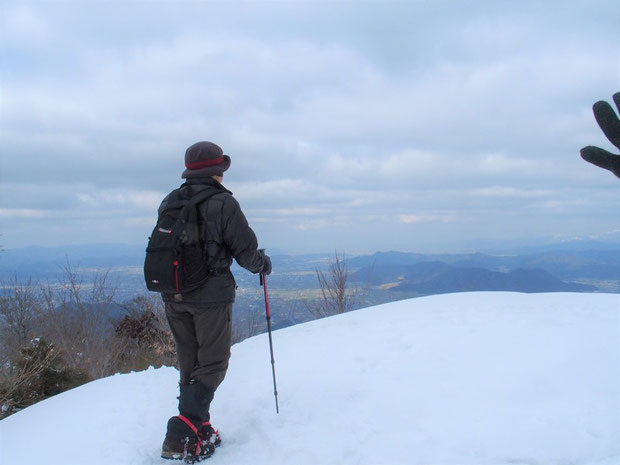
352, 125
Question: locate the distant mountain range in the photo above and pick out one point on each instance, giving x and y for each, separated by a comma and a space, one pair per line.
595, 264
575, 271
388, 272
440, 278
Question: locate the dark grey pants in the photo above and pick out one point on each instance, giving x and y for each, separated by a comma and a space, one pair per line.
203, 336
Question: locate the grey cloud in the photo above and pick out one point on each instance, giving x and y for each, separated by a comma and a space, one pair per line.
331, 112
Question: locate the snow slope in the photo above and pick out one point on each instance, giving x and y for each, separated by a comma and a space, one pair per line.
459, 379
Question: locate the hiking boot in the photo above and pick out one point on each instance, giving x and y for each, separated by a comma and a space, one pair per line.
182, 442
209, 435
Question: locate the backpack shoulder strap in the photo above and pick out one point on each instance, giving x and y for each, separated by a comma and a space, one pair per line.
202, 196
190, 212
175, 199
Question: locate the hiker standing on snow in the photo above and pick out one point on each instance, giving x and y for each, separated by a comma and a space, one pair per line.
201, 320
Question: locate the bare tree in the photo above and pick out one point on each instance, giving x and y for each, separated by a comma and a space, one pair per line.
40, 372
30, 368
19, 309
335, 297
145, 336
84, 343
15, 379
76, 317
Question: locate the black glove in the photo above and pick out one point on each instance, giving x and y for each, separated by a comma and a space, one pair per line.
266, 269
610, 124
266, 265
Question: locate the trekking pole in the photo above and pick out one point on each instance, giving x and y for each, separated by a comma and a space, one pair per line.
263, 282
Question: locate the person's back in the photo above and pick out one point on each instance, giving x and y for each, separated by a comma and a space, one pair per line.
201, 320
225, 234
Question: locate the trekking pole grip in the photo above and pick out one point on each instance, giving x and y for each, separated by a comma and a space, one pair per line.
267, 308
261, 275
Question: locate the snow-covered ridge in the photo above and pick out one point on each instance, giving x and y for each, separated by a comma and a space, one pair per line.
459, 379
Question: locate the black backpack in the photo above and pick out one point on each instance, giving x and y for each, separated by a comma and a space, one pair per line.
175, 260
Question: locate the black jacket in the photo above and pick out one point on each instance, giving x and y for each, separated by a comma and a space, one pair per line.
225, 234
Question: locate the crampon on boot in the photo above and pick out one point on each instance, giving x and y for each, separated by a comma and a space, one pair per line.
208, 434
183, 442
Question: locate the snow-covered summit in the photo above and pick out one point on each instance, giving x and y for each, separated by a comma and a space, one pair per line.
460, 379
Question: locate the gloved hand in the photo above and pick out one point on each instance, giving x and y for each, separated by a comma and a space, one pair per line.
266, 269
610, 124
266, 265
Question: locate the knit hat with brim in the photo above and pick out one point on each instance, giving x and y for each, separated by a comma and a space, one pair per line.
204, 159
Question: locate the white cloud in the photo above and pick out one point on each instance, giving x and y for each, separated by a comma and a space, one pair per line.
508, 192
332, 121
416, 219
497, 163
16, 213
141, 200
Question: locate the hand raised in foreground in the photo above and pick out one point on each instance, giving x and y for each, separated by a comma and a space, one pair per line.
610, 124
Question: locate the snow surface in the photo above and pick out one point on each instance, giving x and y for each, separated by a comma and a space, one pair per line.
460, 379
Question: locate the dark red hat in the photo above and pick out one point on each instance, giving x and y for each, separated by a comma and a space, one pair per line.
204, 159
